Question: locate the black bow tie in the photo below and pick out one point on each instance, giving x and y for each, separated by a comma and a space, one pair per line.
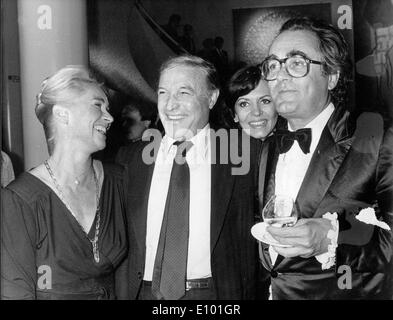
286, 138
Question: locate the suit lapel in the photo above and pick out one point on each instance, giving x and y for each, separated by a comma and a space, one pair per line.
260, 176
331, 150
268, 185
140, 196
140, 217
270, 175
269, 158
222, 181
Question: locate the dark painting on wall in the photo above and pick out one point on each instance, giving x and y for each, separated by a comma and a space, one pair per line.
255, 28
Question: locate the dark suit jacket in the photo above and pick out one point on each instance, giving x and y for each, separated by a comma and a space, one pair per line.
351, 169
233, 250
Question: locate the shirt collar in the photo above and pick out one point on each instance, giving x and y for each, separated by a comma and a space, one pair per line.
320, 121
200, 142
317, 125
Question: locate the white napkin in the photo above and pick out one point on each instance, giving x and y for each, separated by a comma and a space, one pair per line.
367, 215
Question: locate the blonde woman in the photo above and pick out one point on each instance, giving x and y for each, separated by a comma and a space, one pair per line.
63, 230
7, 170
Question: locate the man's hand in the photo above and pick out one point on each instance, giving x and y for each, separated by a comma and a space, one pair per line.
307, 238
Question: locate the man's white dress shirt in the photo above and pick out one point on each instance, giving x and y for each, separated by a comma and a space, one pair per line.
199, 161
292, 165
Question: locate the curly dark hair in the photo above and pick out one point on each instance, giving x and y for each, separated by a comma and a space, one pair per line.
334, 49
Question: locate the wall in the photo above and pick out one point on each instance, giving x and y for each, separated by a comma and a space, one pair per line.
122, 44
128, 53
212, 18
52, 35
12, 132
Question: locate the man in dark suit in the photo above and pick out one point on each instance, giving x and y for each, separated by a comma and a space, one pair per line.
214, 255
334, 165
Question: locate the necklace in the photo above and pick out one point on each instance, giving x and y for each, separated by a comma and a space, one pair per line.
77, 180
93, 241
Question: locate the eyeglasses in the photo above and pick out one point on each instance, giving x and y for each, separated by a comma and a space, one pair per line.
297, 66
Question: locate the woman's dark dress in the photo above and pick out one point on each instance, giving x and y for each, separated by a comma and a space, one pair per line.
45, 254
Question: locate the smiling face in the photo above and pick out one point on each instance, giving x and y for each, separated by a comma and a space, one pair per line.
90, 118
300, 100
184, 101
255, 112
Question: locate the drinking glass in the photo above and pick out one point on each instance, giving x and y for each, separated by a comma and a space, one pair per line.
280, 211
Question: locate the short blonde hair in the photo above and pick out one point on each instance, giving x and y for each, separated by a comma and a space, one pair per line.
56, 90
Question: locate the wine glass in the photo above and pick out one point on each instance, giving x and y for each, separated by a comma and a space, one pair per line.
280, 211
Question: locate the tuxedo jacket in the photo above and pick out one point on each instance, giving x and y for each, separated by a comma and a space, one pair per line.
351, 169
233, 250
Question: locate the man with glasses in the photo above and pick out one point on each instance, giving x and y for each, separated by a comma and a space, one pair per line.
333, 166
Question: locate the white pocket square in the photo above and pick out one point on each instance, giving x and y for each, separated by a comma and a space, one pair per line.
367, 215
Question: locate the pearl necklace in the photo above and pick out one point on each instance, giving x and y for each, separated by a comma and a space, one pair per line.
93, 241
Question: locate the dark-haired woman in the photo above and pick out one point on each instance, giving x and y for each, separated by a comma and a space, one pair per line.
251, 105
249, 99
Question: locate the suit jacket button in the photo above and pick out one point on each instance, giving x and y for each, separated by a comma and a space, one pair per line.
274, 273
139, 275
